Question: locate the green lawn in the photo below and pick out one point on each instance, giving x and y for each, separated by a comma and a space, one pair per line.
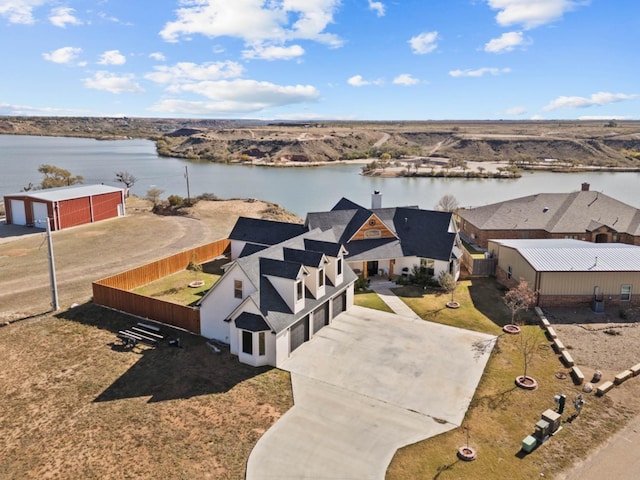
175, 288
501, 414
370, 300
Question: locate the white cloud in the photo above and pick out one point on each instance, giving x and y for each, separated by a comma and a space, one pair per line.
255, 21
64, 55
273, 52
480, 72
19, 11
359, 81
424, 43
63, 16
157, 56
531, 13
187, 72
405, 79
597, 99
112, 57
110, 82
21, 110
537, 117
237, 96
377, 7
507, 42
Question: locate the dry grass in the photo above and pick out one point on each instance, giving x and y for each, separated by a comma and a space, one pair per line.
175, 288
75, 405
501, 415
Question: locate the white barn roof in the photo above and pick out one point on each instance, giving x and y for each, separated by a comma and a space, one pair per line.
567, 255
67, 193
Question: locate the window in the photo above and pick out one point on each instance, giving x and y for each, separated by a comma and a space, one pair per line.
625, 293
247, 342
321, 277
299, 290
428, 266
339, 266
262, 349
509, 272
237, 288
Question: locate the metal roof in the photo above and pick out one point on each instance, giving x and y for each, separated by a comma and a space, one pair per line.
67, 193
567, 255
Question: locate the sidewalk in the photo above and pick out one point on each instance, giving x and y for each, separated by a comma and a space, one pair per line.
383, 289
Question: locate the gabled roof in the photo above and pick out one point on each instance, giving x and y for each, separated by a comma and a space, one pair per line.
264, 232
331, 249
308, 258
271, 261
422, 233
281, 268
575, 212
251, 322
567, 255
68, 193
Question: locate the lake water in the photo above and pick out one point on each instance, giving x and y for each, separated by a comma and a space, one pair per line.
300, 189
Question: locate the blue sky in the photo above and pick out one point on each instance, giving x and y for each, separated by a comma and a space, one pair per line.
322, 59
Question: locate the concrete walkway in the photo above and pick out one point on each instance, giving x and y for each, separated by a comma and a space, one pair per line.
383, 289
364, 386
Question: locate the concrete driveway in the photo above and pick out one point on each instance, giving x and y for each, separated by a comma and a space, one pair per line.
363, 387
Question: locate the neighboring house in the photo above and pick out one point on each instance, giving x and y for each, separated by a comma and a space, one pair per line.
584, 215
566, 272
391, 241
64, 206
272, 299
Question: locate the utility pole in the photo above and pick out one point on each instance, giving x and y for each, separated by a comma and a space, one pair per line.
52, 270
186, 175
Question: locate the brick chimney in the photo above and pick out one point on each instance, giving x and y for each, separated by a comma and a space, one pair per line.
585, 187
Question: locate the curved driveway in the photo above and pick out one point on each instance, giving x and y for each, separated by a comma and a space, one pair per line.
363, 387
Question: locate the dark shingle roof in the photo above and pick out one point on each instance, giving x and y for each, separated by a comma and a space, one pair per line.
307, 258
330, 249
279, 268
251, 322
425, 233
265, 232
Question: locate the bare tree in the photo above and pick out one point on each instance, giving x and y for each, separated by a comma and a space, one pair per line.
447, 203
127, 178
519, 298
153, 195
447, 282
529, 346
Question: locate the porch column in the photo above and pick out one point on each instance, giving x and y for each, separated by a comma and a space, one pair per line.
365, 272
392, 263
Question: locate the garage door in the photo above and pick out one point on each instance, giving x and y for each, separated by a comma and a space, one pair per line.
299, 333
18, 215
339, 304
320, 318
40, 214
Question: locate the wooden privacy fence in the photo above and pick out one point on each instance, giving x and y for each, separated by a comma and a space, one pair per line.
113, 292
479, 266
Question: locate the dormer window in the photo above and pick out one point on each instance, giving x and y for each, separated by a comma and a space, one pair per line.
339, 266
321, 277
299, 290
237, 288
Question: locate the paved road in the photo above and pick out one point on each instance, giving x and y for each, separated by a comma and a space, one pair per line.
363, 387
618, 459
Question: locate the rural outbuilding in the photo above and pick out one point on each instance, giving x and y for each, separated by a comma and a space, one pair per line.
64, 206
567, 272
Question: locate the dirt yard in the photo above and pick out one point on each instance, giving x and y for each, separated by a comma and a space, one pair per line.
87, 253
76, 405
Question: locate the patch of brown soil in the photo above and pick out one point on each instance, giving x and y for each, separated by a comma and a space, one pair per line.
15, 252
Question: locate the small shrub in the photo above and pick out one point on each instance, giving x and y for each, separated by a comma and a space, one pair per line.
175, 201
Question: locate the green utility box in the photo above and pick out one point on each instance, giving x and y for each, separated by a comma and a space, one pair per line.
529, 443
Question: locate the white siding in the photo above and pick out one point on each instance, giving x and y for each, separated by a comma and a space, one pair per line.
220, 302
282, 347
286, 288
236, 248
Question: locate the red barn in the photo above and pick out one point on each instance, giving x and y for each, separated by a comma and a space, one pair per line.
64, 206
